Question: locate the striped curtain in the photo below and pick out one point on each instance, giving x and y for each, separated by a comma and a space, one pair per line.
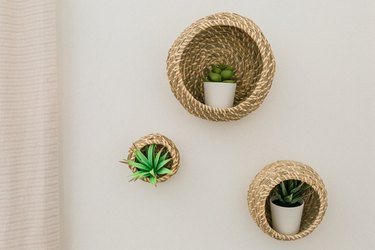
29, 171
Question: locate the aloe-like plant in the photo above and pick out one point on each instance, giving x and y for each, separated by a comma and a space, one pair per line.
290, 193
152, 166
220, 73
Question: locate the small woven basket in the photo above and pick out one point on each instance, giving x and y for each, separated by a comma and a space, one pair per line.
163, 141
222, 38
273, 174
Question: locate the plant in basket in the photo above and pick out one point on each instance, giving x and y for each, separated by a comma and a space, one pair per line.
220, 86
287, 203
150, 163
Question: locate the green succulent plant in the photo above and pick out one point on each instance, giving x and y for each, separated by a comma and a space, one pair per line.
290, 193
152, 166
220, 73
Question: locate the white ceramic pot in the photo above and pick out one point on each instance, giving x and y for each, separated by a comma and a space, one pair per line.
219, 94
286, 220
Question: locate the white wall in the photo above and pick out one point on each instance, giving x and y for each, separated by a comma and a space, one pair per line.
320, 111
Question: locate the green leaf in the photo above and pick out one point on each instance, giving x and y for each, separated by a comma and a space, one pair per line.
157, 157
137, 175
228, 81
164, 156
214, 77
153, 180
283, 189
278, 197
296, 189
295, 200
150, 154
164, 171
290, 184
288, 198
303, 190
162, 163
152, 172
141, 158
137, 165
216, 70
222, 66
227, 74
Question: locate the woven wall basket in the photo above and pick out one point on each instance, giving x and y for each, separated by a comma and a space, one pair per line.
272, 175
221, 38
163, 141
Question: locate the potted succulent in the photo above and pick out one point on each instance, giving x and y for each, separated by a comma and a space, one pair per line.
150, 163
287, 202
219, 86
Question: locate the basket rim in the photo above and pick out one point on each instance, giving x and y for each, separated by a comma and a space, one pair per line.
221, 19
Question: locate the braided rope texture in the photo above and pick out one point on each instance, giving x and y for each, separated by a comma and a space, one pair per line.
273, 174
162, 141
221, 38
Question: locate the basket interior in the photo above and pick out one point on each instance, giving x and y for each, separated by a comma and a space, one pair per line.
221, 45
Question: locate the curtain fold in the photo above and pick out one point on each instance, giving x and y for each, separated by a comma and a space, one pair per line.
29, 168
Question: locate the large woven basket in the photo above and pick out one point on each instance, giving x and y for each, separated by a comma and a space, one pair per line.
163, 141
226, 38
272, 175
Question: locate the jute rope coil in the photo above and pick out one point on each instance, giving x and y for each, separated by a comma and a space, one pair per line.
221, 38
273, 174
162, 141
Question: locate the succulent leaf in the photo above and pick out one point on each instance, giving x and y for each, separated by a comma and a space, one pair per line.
222, 66
283, 189
215, 77
296, 189
295, 200
138, 165
162, 163
150, 154
164, 156
216, 70
157, 157
138, 175
141, 158
227, 74
153, 180
164, 171
152, 172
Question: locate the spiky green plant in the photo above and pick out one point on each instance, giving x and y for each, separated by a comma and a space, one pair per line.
220, 73
290, 193
152, 166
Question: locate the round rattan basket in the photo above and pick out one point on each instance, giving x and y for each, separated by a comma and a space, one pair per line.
272, 175
163, 141
222, 38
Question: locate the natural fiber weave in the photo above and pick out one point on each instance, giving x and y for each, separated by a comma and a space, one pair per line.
163, 141
221, 38
273, 174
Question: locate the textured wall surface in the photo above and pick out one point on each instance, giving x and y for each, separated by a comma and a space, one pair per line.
320, 111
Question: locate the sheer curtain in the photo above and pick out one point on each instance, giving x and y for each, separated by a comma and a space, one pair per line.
29, 172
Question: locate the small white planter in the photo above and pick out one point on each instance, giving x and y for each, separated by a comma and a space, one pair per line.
219, 95
286, 220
